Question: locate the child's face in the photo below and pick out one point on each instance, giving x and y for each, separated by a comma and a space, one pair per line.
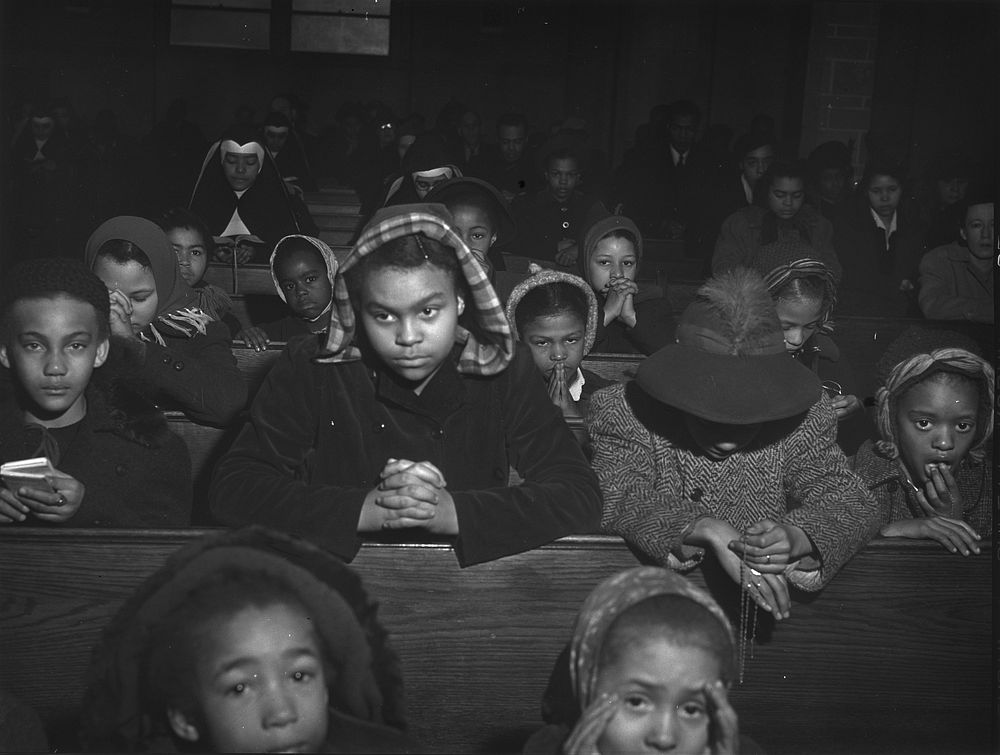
241, 170
662, 703
555, 339
831, 183
261, 686
800, 319
303, 279
562, 177
936, 424
136, 282
785, 196
52, 347
511, 140
717, 440
978, 230
474, 226
883, 195
276, 138
410, 316
192, 258
951, 190
755, 164
612, 258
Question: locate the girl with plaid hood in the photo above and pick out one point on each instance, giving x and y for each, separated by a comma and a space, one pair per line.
412, 420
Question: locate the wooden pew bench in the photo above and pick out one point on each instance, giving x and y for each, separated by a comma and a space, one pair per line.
893, 656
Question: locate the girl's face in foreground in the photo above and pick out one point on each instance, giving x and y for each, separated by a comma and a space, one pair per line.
936, 424
800, 319
136, 282
261, 686
554, 339
662, 703
192, 257
410, 316
612, 258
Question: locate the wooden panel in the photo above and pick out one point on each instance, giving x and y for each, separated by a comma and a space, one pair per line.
248, 279
893, 656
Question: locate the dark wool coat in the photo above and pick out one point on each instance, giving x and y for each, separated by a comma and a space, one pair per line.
887, 483
542, 223
320, 434
136, 472
196, 375
654, 325
655, 485
872, 275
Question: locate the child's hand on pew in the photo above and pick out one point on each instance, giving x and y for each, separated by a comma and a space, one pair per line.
410, 494
57, 505
566, 252
954, 534
254, 338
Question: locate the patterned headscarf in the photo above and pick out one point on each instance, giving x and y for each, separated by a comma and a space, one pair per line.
177, 308
787, 259
539, 276
611, 599
919, 367
485, 353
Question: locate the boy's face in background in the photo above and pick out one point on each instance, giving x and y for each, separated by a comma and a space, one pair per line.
52, 346
276, 137
682, 130
261, 684
512, 139
192, 257
410, 316
831, 184
755, 163
562, 177
883, 195
979, 231
469, 129
952, 190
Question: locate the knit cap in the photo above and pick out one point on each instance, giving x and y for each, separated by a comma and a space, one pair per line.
539, 276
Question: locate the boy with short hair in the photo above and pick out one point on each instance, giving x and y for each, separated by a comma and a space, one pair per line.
116, 463
956, 280
551, 221
513, 173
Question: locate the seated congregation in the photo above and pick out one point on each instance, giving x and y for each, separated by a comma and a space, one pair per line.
603, 418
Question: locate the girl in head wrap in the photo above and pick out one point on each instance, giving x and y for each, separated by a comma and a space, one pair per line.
303, 270
246, 641
184, 353
650, 663
409, 414
631, 319
240, 194
931, 469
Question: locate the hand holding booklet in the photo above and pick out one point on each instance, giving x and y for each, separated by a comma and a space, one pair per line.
28, 473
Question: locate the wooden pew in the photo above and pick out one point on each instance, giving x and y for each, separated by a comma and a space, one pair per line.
893, 656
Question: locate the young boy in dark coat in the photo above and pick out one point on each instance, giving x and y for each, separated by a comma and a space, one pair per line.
412, 420
116, 463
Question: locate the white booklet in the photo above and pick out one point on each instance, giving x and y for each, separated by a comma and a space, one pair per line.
27, 473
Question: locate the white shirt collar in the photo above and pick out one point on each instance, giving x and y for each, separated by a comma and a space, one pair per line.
890, 229
676, 156
576, 385
747, 189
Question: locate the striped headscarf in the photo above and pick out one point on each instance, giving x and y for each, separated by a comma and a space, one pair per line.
607, 602
919, 367
785, 260
486, 352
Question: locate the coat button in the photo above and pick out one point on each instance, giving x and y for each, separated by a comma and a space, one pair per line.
178, 365
166, 359
121, 470
438, 434
378, 427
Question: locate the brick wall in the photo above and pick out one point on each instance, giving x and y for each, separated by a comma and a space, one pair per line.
840, 77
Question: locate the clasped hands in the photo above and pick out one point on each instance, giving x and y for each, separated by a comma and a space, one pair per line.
410, 494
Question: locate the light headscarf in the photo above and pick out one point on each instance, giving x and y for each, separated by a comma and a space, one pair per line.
329, 260
539, 276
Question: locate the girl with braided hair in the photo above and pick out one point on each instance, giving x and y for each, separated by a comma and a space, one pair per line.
930, 470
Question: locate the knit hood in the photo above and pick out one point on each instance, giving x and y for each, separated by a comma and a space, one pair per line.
539, 276
600, 227
487, 351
